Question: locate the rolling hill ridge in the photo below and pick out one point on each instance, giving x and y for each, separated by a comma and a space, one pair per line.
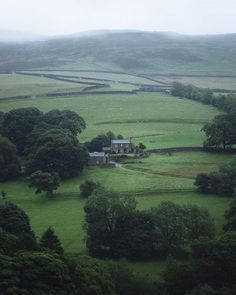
139, 52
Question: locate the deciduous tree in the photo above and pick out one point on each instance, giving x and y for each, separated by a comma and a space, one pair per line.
9, 162
18, 123
44, 182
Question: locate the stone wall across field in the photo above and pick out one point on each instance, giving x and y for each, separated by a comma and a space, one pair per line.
191, 149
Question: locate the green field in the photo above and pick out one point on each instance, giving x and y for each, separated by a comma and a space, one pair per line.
227, 83
158, 120
101, 75
65, 211
179, 164
17, 85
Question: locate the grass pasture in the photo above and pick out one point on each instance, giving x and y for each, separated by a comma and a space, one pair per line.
65, 213
227, 83
18, 85
179, 164
116, 77
157, 120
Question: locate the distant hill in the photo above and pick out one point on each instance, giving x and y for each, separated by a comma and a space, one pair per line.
126, 51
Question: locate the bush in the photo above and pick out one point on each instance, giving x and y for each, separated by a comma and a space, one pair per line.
87, 188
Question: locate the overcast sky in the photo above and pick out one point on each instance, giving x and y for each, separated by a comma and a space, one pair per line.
55, 17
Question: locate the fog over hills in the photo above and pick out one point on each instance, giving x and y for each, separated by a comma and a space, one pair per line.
9, 36
129, 51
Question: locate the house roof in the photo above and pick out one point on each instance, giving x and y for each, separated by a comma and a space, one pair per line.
121, 141
97, 154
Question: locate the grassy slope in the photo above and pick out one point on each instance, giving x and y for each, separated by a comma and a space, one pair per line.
158, 120
65, 211
100, 75
15, 85
136, 52
228, 83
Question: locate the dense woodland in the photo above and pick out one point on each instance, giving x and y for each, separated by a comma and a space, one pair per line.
31, 265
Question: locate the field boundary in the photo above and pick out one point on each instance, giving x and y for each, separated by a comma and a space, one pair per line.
192, 149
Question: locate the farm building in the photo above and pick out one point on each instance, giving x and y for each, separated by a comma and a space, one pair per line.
121, 146
98, 159
106, 149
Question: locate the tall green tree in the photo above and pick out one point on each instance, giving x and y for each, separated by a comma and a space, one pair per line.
59, 151
221, 182
18, 123
177, 225
134, 236
43, 273
65, 119
16, 222
102, 213
44, 182
216, 260
87, 188
221, 132
170, 228
9, 162
230, 216
50, 240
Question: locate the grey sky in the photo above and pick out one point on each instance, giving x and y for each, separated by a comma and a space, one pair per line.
52, 17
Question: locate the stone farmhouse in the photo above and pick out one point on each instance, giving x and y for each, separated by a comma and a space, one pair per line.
98, 159
121, 146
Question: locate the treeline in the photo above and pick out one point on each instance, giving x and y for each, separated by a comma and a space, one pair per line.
224, 102
31, 265
221, 182
116, 229
221, 132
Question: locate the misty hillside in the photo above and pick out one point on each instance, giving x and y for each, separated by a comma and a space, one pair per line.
134, 52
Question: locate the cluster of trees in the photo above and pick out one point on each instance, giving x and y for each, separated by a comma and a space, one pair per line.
221, 132
88, 187
212, 267
44, 146
230, 216
9, 161
211, 271
223, 102
39, 266
222, 182
102, 140
116, 229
